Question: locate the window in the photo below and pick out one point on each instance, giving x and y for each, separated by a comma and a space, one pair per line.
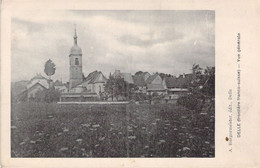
76, 61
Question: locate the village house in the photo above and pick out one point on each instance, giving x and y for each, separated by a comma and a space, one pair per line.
37, 83
95, 82
61, 87
38, 78
40, 83
155, 84
177, 86
169, 86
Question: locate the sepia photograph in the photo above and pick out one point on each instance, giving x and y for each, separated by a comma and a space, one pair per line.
113, 84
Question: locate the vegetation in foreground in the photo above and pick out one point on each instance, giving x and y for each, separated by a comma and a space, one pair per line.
160, 130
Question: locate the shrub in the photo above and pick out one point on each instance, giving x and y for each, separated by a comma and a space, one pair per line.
48, 95
188, 101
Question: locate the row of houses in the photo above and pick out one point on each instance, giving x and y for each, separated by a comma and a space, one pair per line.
94, 85
170, 86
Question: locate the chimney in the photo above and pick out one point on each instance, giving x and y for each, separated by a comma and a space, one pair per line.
183, 75
117, 72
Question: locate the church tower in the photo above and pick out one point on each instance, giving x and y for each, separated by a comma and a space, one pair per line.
75, 57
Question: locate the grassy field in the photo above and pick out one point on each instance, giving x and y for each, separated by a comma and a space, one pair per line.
51, 130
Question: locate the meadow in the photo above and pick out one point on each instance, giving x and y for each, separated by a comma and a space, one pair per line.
159, 130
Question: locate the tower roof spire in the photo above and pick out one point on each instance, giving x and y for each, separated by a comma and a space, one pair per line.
75, 36
75, 50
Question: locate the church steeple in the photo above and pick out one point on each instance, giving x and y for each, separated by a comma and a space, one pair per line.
75, 36
75, 58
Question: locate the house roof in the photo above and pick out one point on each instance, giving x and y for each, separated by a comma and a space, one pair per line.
145, 73
126, 76
139, 80
93, 77
142, 74
180, 82
150, 79
58, 83
37, 76
33, 86
155, 87
172, 82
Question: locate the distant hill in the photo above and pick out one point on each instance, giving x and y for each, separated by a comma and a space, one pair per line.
18, 87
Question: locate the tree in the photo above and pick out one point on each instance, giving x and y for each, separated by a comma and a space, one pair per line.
201, 89
52, 95
203, 83
49, 68
116, 87
47, 95
163, 75
139, 73
109, 87
209, 82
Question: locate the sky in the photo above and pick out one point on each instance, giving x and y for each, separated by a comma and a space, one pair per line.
130, 41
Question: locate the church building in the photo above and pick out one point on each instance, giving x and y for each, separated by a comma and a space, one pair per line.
80, 88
